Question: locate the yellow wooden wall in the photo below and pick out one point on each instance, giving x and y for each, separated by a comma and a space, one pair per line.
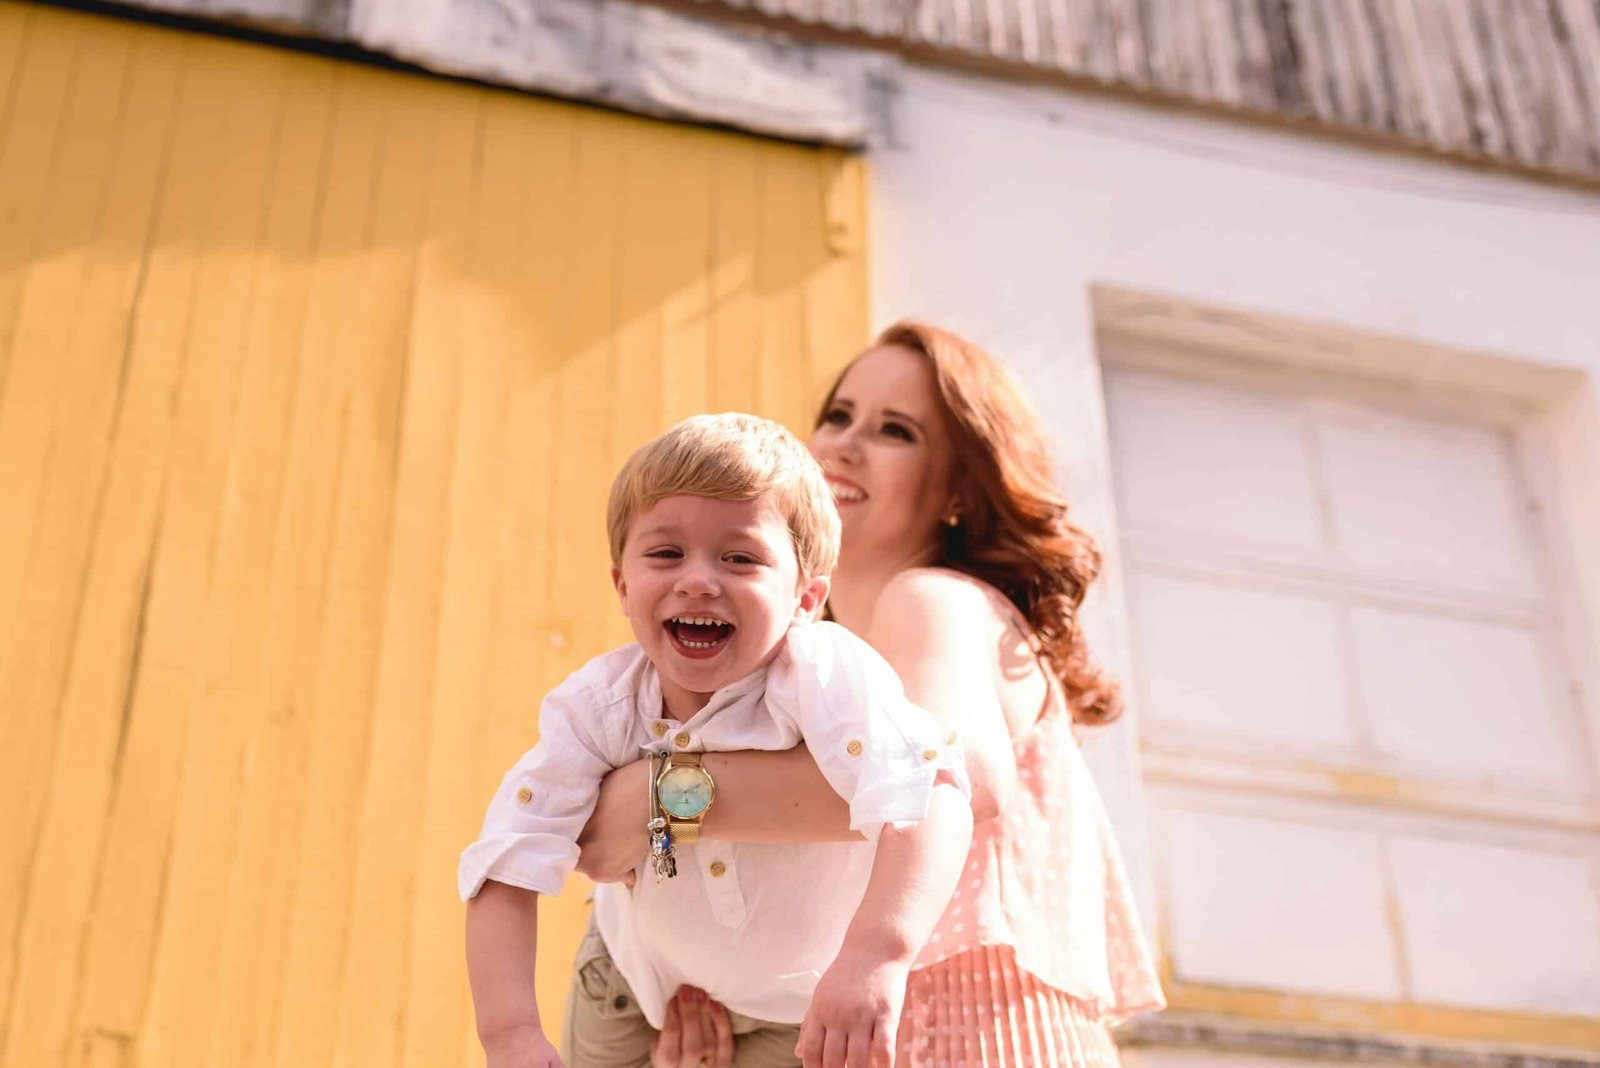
312, 379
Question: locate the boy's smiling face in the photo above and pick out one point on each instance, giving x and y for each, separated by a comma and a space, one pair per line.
710, 587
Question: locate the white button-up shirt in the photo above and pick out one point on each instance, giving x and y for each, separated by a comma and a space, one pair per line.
753, 924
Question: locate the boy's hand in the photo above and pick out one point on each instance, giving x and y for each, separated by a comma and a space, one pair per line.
854, 1014
696, 1033
521, 1047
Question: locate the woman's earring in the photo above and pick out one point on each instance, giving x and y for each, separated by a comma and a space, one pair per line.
952, 520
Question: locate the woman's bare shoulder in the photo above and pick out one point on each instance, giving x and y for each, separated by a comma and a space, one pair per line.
945, 593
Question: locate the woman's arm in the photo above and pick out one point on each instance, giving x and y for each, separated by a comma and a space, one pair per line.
762, 796
942, 634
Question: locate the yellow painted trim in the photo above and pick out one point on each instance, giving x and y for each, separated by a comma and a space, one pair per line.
1381, 1018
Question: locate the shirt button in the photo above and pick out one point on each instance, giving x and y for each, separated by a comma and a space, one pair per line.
950, 739
681, 740
718, 869
660, 729
524, 795
854, 748
930, 754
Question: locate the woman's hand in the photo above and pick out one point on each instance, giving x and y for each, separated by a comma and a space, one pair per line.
616, 841
855, 1013
696, 1034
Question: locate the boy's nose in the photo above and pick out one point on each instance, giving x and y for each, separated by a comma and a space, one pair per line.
697, 582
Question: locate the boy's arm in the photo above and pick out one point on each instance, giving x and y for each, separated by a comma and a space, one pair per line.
855, 1012
502, 938
936, 638
528, 847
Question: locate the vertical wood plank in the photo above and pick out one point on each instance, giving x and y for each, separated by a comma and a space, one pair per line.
92, 612
1367, 75
493, 646
1255, 52
1215, 30
356, 305
29, 380
736, 307
1405, 108
578, 559
1446, 92
436, 141
1579, 22
45, 62
1567, 140
1128, 42
1424, 92
790, 245
641, 279
249, 962
212, 541
836, 324
1485, 129
56, 116
1339, 53
16, 21
158, 413
1513, 110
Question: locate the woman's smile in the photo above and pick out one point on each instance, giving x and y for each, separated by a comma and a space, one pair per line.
845, 492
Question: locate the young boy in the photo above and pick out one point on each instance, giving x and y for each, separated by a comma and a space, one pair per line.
723, 537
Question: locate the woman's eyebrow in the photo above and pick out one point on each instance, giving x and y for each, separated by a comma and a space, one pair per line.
897, 414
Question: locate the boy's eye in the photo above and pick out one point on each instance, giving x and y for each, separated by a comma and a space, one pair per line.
741, 558
663, 554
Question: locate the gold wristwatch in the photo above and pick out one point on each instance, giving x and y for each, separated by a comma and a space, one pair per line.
684, 791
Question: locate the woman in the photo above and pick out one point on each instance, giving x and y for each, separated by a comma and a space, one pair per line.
960, 566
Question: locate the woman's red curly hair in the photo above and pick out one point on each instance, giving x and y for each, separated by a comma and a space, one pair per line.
1014, 532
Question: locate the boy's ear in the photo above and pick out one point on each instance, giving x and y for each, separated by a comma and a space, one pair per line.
813, 595
621, 587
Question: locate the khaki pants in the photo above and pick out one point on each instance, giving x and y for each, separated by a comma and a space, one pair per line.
605, 1028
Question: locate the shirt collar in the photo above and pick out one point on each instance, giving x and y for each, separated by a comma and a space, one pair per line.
746, 690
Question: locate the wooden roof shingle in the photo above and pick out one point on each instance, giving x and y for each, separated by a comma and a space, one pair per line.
1511, 82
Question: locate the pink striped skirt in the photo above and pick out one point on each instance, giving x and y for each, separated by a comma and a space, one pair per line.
977, 1009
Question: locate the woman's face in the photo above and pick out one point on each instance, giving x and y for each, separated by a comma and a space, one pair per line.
885, 447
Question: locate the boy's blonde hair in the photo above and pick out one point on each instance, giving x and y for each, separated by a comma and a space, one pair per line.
731, 457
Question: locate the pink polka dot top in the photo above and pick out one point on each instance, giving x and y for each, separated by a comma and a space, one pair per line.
1046, 878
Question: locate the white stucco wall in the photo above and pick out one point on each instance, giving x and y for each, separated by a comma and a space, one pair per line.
997, 207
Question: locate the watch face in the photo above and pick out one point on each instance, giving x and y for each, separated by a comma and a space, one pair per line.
685, 791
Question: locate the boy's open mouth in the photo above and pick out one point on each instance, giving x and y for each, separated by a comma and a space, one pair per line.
699, 636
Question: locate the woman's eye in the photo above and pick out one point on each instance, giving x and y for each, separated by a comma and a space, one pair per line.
836, 417
898, 430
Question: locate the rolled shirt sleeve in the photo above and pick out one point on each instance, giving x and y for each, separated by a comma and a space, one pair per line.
879, 751
530, 833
